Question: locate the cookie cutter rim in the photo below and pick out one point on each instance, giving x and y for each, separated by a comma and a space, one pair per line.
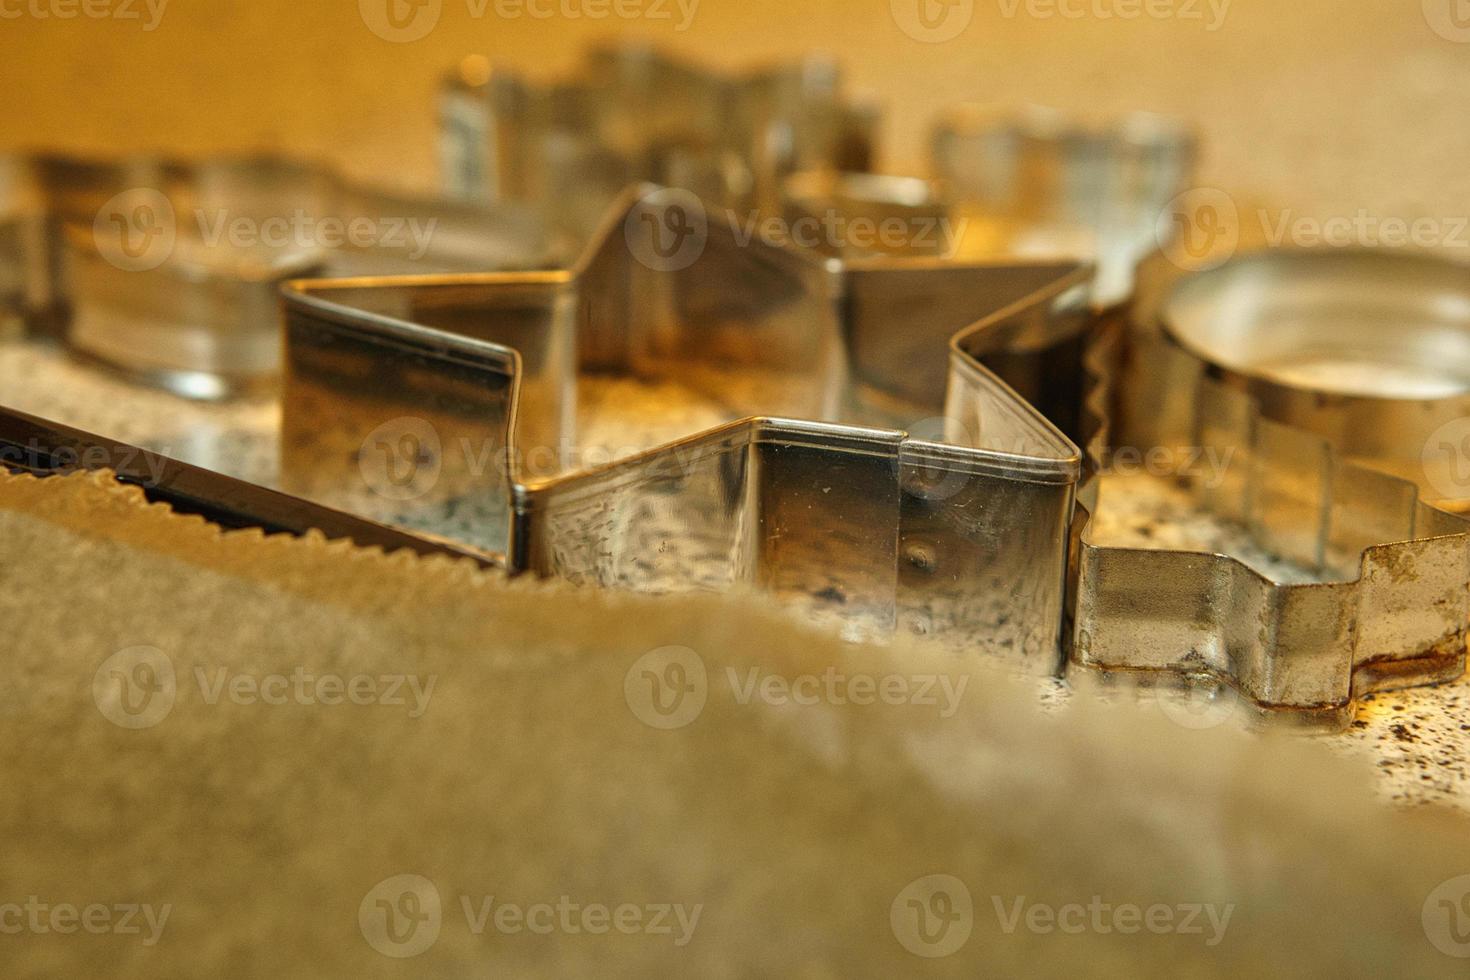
1321, 645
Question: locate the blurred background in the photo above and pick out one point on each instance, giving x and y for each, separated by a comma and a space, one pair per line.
1318, 106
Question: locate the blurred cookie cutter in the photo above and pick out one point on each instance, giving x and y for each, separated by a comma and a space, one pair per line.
633, 113
140, 264
1262, 361
1035, 181
47, 449
398, 391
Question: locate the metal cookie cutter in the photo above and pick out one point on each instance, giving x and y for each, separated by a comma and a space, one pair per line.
1323, 379
170, 270
635, 114
47, 449
453, 401
1033, 181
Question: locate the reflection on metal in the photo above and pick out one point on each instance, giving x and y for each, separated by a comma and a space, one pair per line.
1266, 363
634, 113
416, 401
1037, 182
1334, 386
171, 270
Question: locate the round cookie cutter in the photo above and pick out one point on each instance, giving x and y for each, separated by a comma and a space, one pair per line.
1369, 349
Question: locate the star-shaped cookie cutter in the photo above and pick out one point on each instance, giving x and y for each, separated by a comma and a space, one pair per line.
427, 400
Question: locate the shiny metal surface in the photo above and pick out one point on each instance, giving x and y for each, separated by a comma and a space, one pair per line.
1041, 183
1370, 350
1315, 475
844, 481
170, 270
634, 113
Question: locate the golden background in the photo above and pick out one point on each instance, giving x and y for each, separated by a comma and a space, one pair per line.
1321, 106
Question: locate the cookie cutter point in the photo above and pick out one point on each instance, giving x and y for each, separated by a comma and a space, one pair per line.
835, 500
